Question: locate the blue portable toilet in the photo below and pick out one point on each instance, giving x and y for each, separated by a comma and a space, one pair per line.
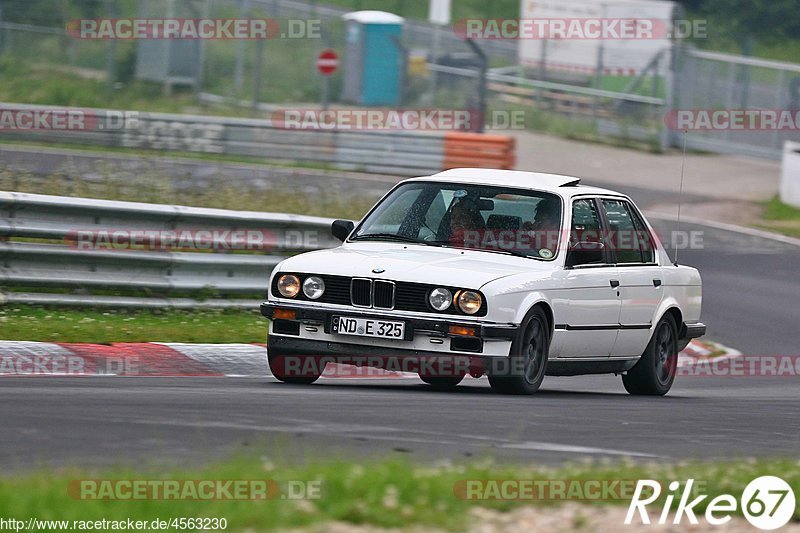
373, 58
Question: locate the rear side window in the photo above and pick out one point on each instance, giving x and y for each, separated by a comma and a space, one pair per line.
627, 234
645, 238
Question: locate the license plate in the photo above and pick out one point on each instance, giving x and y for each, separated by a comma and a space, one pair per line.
369, 327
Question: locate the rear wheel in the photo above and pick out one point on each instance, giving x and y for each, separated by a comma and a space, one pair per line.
525, 368
654, 374
296, 370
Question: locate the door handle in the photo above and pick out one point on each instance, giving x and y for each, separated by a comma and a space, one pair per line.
614, 283
656, 283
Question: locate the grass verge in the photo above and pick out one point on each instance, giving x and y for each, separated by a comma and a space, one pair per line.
781, 217
147, 183
387, 493
46, 324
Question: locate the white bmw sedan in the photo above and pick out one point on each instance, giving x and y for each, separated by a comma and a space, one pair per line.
515, 275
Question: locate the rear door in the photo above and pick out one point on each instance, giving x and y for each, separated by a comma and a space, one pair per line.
640, 285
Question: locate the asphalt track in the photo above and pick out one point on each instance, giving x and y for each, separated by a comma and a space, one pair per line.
104, 421
751, 303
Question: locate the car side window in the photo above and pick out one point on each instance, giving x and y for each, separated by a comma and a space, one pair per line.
585, 226
645, 238
624, 233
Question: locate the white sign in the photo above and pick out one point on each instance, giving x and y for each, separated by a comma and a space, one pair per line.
790, 175
439, 12
620, 56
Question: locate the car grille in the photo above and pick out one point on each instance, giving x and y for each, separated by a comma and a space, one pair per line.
380, 294
383, 294
361, 292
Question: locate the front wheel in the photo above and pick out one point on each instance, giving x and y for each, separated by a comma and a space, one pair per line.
523, 372
441, 382
654, 374
294, 370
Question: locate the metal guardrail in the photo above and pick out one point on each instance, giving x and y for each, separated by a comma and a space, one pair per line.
398, 152
56, 259
404, 153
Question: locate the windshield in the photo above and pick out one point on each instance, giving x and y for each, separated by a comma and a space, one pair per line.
479, 217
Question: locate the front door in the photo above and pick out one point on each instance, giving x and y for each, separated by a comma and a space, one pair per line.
589, 298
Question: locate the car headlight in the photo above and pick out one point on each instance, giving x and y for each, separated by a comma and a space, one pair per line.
469, 302
313, 287
440, 298
288, 285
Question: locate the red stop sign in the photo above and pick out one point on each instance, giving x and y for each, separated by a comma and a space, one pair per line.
327, 62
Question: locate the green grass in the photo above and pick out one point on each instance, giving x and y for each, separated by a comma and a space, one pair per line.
781, 217
200, 156
41, 323
386, 493
151, 185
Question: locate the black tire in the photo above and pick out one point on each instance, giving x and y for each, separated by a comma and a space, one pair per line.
278, 366
525, 368
654, 374
442, 382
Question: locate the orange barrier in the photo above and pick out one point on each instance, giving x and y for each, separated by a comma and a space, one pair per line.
478, 150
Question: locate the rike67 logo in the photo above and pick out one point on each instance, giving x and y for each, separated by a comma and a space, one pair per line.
767, 502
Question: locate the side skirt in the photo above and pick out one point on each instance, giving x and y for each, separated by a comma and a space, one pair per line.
556, 367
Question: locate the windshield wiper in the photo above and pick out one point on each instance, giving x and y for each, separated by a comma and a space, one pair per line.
509, 252
515, 253
386, 236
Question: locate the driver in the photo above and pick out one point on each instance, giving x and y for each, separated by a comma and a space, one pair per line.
546, 223
465, 220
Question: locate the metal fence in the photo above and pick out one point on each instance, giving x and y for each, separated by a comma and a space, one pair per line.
562, 98
386, 151
574, 110
710, 80
89, 248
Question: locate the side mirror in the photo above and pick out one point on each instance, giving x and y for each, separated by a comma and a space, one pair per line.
585, 253
342, 228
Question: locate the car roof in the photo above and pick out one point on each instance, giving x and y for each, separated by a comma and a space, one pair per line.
567, 186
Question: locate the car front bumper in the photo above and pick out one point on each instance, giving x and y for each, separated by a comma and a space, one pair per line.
311, 333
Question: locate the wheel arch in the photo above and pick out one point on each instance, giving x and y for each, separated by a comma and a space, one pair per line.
676, 314
548, 313
672, 307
